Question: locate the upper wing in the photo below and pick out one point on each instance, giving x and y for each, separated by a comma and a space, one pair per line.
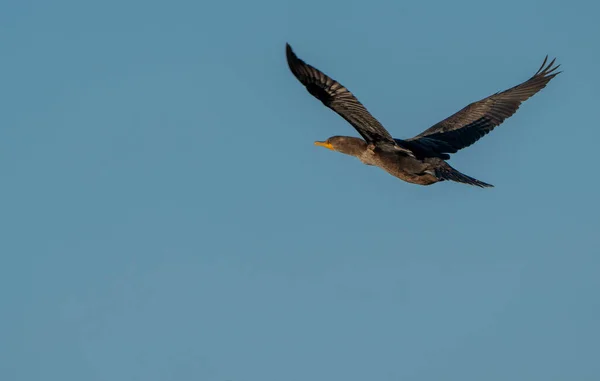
477, 119
338, 98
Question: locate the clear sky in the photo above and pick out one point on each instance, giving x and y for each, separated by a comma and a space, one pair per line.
164, 214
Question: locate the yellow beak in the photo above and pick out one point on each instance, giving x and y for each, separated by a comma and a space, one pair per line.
324, 144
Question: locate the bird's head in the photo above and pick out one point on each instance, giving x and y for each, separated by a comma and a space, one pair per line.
344, 144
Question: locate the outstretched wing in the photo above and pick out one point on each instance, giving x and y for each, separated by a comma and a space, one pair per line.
479, 118
339, 99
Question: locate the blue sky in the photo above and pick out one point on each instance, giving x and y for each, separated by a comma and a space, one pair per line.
148, 233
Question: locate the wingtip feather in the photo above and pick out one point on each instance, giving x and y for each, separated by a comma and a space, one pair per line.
543, 64
547, 70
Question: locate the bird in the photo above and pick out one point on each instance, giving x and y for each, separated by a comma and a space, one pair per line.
422, 159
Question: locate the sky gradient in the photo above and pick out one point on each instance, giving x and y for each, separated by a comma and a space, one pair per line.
166, 216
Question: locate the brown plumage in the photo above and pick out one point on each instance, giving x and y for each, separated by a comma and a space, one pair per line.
418, 160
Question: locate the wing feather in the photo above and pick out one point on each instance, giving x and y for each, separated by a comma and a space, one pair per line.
479, 118
339, 99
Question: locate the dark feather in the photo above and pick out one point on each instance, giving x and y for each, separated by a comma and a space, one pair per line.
339, 99
446, 172
479, 118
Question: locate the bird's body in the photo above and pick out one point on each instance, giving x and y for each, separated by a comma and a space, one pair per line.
398, 164
419, 169
422, 159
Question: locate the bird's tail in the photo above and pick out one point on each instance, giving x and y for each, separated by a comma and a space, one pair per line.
446, 172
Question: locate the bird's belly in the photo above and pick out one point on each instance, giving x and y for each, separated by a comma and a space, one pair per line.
421, 179
409, 170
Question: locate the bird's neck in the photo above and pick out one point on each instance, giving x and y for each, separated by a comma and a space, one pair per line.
352, 146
